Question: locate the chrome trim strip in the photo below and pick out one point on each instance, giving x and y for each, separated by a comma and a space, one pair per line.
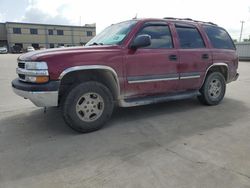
216, 64
92, 67
32, 72
189, 77
39, 98
152, 80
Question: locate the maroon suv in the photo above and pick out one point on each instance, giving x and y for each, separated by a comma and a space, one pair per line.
136, 62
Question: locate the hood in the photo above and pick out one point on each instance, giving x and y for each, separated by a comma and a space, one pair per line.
41, 54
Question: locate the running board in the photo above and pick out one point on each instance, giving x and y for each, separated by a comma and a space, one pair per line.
157, 99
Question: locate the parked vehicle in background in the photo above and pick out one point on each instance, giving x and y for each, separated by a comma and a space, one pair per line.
3, 50
30, 49
16, 49
42, 48
136, 62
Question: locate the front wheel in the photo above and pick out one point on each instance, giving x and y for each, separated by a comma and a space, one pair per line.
88, 106
213, 89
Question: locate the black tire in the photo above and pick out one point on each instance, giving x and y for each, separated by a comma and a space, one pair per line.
73, 100
209, 95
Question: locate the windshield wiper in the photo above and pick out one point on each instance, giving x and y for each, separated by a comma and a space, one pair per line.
96, 44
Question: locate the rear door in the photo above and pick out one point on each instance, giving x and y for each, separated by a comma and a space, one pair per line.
195, 56
152, 69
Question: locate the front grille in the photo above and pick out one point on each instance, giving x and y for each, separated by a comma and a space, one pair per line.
21, 65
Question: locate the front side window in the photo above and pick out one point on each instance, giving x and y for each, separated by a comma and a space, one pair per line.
113, 34
219, 37
160, 36
189, 37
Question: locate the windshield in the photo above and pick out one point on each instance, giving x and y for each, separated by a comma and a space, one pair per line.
113, 34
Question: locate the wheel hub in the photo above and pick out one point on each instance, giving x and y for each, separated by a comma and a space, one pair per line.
215, 87
90, 107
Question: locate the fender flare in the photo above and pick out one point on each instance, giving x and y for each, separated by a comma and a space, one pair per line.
93, 67
214, 65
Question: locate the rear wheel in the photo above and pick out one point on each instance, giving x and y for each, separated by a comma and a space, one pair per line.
213, 89
88, 106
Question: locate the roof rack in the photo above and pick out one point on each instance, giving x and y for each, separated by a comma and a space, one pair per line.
188, 19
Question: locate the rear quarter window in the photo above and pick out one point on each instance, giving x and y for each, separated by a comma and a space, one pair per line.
219, 37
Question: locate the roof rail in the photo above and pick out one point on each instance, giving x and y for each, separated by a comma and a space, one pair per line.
188, 19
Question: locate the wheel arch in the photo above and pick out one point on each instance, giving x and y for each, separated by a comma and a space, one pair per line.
217, 67
104, 74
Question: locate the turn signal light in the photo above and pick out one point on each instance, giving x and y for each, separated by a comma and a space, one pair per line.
42, 79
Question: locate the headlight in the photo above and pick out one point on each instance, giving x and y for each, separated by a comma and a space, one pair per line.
36, 66
34, 72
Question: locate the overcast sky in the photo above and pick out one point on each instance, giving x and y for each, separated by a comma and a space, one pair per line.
226, 13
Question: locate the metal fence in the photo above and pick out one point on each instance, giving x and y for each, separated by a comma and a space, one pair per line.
243, 50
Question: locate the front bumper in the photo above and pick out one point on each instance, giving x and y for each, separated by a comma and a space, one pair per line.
42, 95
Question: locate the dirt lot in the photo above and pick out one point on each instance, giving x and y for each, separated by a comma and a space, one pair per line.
174, 144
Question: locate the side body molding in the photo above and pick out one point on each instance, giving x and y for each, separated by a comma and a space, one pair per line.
93, 67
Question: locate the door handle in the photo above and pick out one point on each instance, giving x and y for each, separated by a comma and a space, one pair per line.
172, 57
205, 56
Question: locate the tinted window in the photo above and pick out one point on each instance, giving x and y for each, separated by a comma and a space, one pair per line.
189, 37
51, 45
59, 32
219, 37
160, 36
35, 45
17, 30
19, 44
33, 31
50, 31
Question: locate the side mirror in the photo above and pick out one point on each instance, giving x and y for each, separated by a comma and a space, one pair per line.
141, 41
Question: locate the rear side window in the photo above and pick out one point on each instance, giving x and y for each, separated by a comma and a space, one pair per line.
160, 36
189, 37
219, 37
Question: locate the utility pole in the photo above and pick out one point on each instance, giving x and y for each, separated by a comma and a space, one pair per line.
242, 23
80, 21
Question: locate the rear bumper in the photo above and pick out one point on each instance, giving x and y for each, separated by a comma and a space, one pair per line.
42, 95
236, 76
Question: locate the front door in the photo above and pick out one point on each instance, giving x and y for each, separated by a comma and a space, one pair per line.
152, 69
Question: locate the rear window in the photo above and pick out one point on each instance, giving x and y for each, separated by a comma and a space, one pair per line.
189, 37
219, 37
